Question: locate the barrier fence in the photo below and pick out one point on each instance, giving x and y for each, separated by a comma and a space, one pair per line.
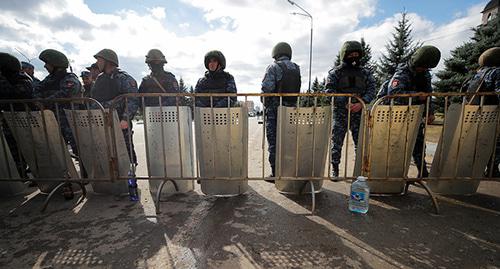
63, 141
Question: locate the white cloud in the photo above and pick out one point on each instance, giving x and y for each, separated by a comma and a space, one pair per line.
158, 13
184, 25
245, 31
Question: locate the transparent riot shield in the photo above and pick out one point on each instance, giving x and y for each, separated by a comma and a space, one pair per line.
465, 147
9, 171
94, 141
169, 137
302, 146
389, 145
222, 149
40, 140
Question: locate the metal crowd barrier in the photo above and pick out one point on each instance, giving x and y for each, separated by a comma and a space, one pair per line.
35, 127
216, 155
220, 162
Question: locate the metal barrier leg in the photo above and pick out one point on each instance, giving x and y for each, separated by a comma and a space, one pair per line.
431, 194
158, 193
59, 186
81, 184
405, 192
313, 197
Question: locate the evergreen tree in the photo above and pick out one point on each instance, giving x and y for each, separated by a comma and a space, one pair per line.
366, 60
182, 86
399, 49
463, 62
184, 100
316, 87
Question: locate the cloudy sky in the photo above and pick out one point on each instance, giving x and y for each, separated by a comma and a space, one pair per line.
244, 30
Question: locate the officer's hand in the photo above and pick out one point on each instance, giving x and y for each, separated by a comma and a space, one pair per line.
356, 107
124, 124
430, 119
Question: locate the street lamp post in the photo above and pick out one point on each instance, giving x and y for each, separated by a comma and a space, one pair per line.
306, 14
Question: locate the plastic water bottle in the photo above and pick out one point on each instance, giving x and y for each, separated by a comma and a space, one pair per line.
360, 196
132, 186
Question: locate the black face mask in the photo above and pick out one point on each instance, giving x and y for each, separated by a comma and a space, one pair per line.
155, 68
353, 61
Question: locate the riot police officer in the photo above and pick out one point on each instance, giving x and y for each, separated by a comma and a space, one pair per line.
414, 77
111, 83
159, 80
348, 78
215, 80
487, 79
282, 76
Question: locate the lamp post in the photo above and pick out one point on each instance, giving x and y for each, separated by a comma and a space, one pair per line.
306, 14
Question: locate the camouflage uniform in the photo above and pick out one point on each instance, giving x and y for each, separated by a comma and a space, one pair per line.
280, 75
167, 81
109, 86
348, 79
13, 85
60, 84
406, 80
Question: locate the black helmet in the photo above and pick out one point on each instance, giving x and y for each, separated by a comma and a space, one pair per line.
426, 56
54, 58
349, 47
9, 63
217, 55
282, 49
490, 58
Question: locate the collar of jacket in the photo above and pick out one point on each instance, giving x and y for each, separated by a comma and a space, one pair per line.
282, 58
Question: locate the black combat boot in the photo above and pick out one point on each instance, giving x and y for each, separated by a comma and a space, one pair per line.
335, 173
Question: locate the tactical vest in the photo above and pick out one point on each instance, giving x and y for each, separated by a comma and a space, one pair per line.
149, 85
289, 83
164, 78
352, 80
213, 83
105, 88
477, 85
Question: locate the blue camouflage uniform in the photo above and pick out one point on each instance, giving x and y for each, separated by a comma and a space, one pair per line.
60, 84
282, 76
109, 86
14, 86
218, 81
167, 81
491, 83
404, 81
348, 79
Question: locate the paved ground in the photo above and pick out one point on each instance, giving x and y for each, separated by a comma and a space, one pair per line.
261, 229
